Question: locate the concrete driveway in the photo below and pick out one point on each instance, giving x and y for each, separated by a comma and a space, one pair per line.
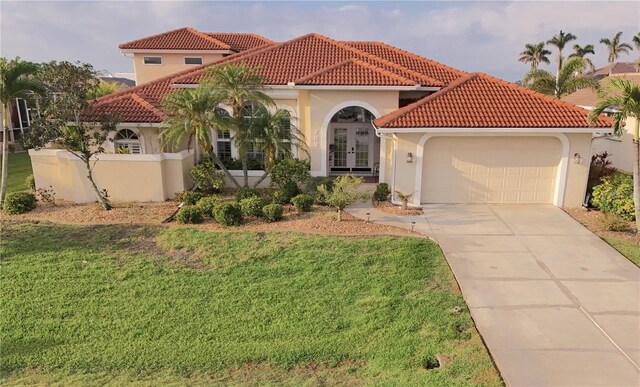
555, 304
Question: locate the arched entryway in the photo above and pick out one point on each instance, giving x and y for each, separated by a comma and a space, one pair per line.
353, 145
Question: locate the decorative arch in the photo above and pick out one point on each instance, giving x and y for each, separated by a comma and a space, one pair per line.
323, 136
132, 138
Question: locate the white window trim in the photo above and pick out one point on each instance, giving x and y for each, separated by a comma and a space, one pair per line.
112, 140
193, 57
152, 64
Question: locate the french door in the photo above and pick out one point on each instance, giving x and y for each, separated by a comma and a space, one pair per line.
352, 148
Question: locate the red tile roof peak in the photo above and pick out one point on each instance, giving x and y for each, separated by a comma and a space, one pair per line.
206, 42
380, 71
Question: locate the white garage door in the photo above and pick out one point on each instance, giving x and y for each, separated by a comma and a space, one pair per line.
490, 169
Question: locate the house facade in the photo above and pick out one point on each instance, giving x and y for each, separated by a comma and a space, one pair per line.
366, 108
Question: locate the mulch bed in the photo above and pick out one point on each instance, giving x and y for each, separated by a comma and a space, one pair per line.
390, 208
322, 220
592, 219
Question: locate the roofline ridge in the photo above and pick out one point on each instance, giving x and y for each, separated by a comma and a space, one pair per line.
389, 118
323, 70
548, 98
357, 62
147, 105
151, 36
382, 60
255, 35
383, 71
209, 38
431, 61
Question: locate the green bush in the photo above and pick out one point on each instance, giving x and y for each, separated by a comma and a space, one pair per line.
614, 223
302, 202
19, 202
280, 197
289, 172
244, 193
382, 192
344, 192
272, 212
189, 197
205, 176
615, 196
252, 206
208, 204
30, 182
312, 185
228, 214
189, 214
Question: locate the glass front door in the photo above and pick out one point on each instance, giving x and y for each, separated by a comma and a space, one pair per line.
351, 148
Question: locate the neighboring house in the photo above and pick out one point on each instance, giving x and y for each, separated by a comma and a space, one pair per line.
619, 148
366, 108
172, 51
616, 68
21, 115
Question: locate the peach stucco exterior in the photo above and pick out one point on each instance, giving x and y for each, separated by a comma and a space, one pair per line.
171, 64
620, 148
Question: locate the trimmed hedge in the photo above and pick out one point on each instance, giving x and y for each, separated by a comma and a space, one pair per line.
228, 214
303, 202
19, 203
244, 193
208, 204
615, 196
252, 206
382, 192
272, 212
190, 214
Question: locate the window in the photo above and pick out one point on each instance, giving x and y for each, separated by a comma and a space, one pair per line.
353, 114
127, 142
192, 61
250, 109
153, 60
223, 139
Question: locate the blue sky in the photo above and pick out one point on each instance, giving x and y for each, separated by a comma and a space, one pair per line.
472, 36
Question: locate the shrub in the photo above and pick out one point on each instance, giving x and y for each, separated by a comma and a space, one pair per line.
272, 212
344, 192
382, 192
19, 202
46, 195
189, 197
252, 206
289, 172
189, 214
313, 183
205, 176
404, 198
245, 192
615, 196
280, 197
228, 214
30, 182
208, 204
302, 202
614, 223
600, 168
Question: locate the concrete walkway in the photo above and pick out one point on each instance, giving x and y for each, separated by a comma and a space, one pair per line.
555, 304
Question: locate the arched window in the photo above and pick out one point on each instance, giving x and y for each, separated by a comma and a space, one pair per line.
127, 142
353, 114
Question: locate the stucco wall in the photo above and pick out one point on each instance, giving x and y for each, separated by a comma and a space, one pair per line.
126, 177
405, 173
171, 63
621, 152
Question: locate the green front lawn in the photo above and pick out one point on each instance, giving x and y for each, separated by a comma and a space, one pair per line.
158, 305
19, 169
628, 249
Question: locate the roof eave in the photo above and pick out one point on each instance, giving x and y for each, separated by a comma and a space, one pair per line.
171, 51
497, 130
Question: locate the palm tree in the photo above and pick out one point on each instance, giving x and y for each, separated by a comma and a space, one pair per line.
17, 80
276, 137
569, 79
192, 114
615, 48
535, 54
626, 102
636, 40
582, 52
239, 86
560, 41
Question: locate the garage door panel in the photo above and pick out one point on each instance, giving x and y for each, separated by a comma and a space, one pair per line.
490, 169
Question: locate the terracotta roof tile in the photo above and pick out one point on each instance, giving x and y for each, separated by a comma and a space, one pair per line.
180, 39
354, 72
588, 97
129, 107
481, 101
240, 41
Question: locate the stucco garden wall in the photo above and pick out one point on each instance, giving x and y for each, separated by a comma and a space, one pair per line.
153, 177
621, 152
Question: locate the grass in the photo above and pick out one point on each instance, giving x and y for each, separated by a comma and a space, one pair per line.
628, 249
121, 304
19, 169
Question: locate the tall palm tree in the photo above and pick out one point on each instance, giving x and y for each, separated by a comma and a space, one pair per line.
582, 52
636, 42
192, 114
626, 102
237, 86
615, 48
17, 80
276, 137
569, 79
559, 41
535, 54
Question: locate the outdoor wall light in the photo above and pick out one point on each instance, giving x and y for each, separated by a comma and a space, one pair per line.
577, 158
409, 157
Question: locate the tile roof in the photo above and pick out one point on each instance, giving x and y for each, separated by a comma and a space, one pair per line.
354, 72
180, 39
283, 63
481, 101
410, 60
588, 97
240, 41
130, 107
618, 68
